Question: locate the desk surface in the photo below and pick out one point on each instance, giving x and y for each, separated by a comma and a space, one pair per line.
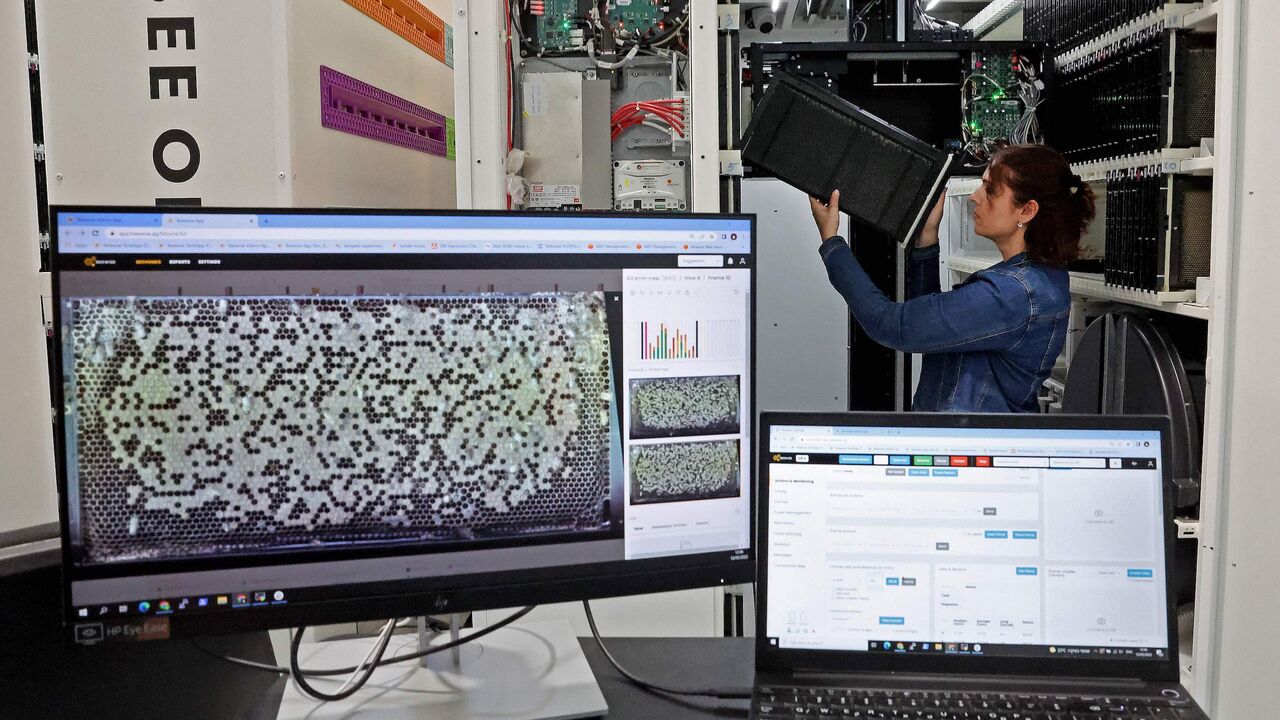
680, 662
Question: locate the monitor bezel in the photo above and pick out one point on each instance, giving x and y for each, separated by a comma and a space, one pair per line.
773, 659
435, 594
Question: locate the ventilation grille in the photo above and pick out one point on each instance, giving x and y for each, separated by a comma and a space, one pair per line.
358, 108
1195, 92
1193, 214
414, 22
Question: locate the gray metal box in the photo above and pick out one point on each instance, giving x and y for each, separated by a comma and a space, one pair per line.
565, 120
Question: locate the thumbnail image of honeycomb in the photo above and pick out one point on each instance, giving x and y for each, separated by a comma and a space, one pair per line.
205, 425
682, 406
680, 472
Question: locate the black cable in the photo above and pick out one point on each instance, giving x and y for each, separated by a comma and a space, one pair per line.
278, 670
365, 673
720, 693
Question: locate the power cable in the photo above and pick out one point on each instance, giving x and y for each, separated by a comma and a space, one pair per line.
721, 693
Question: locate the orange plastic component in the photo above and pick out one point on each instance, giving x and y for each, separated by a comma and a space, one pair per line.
412, 21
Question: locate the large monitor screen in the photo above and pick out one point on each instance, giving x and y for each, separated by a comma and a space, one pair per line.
269, 416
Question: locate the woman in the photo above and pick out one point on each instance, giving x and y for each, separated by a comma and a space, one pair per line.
990, 343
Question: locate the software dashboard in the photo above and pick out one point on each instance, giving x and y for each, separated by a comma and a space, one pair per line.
268, 408
976, 542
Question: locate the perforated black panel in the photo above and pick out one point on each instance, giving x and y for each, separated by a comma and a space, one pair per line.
818, 142
1195, 92
1193, 218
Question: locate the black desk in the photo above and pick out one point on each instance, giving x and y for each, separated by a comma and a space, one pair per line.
680, 662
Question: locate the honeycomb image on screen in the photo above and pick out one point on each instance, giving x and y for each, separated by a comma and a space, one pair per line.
216, 425
338, 404
682, 472
683, 406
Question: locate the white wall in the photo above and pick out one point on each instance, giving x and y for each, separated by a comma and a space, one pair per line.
27, 490
331, 168
101, 123
1245, 673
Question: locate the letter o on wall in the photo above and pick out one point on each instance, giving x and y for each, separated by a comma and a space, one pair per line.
167, 138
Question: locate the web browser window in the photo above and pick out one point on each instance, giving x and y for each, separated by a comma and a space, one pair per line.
278, 408
971, 542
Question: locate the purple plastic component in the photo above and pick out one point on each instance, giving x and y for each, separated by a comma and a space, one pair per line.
352, 106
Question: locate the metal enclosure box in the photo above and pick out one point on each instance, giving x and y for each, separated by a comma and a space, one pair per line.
565, 118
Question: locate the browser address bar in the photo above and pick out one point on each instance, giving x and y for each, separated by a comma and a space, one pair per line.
397, 235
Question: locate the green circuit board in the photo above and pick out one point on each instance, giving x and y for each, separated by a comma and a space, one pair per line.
995, 108
557, 21
996, 120
554, 28
997, 66
639, 17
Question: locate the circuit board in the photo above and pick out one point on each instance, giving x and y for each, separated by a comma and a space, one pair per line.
1001, 68
556, 25
639, 17
995, 120
995, 108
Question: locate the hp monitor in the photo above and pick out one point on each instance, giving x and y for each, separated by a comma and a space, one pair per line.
277, 417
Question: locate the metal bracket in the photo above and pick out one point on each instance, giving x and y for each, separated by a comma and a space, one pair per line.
39, 152
647, 142
1187, 527
731, 163
33, 62
45, 241
729, 17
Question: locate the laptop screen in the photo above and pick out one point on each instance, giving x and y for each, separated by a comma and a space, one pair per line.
1035, 543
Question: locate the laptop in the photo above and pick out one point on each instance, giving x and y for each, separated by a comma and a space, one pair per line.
966, 566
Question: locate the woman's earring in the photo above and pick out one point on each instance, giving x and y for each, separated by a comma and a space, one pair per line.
1021, 224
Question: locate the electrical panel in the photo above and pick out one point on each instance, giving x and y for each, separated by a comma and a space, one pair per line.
602, 117
1000, 95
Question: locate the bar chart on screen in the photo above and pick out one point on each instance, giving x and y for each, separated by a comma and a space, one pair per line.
688, 340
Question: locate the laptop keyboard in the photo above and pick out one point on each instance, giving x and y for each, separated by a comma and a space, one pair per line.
789, 703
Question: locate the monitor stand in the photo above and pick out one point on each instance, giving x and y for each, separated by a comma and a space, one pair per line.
529, 671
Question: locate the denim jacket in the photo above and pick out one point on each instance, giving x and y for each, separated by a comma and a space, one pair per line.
988, 344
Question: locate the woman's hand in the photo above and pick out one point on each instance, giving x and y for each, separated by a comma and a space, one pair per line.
929, 233
827, 215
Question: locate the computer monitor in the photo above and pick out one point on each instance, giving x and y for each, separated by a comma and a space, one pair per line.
274, 417
966, 543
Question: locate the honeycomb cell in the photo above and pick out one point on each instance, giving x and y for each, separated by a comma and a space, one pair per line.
235, 425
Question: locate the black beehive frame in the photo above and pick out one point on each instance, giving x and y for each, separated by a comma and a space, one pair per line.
795, 116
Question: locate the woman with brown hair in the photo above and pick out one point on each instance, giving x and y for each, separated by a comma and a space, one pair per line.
989, 343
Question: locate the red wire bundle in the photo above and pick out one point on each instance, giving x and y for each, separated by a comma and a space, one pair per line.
670, 111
